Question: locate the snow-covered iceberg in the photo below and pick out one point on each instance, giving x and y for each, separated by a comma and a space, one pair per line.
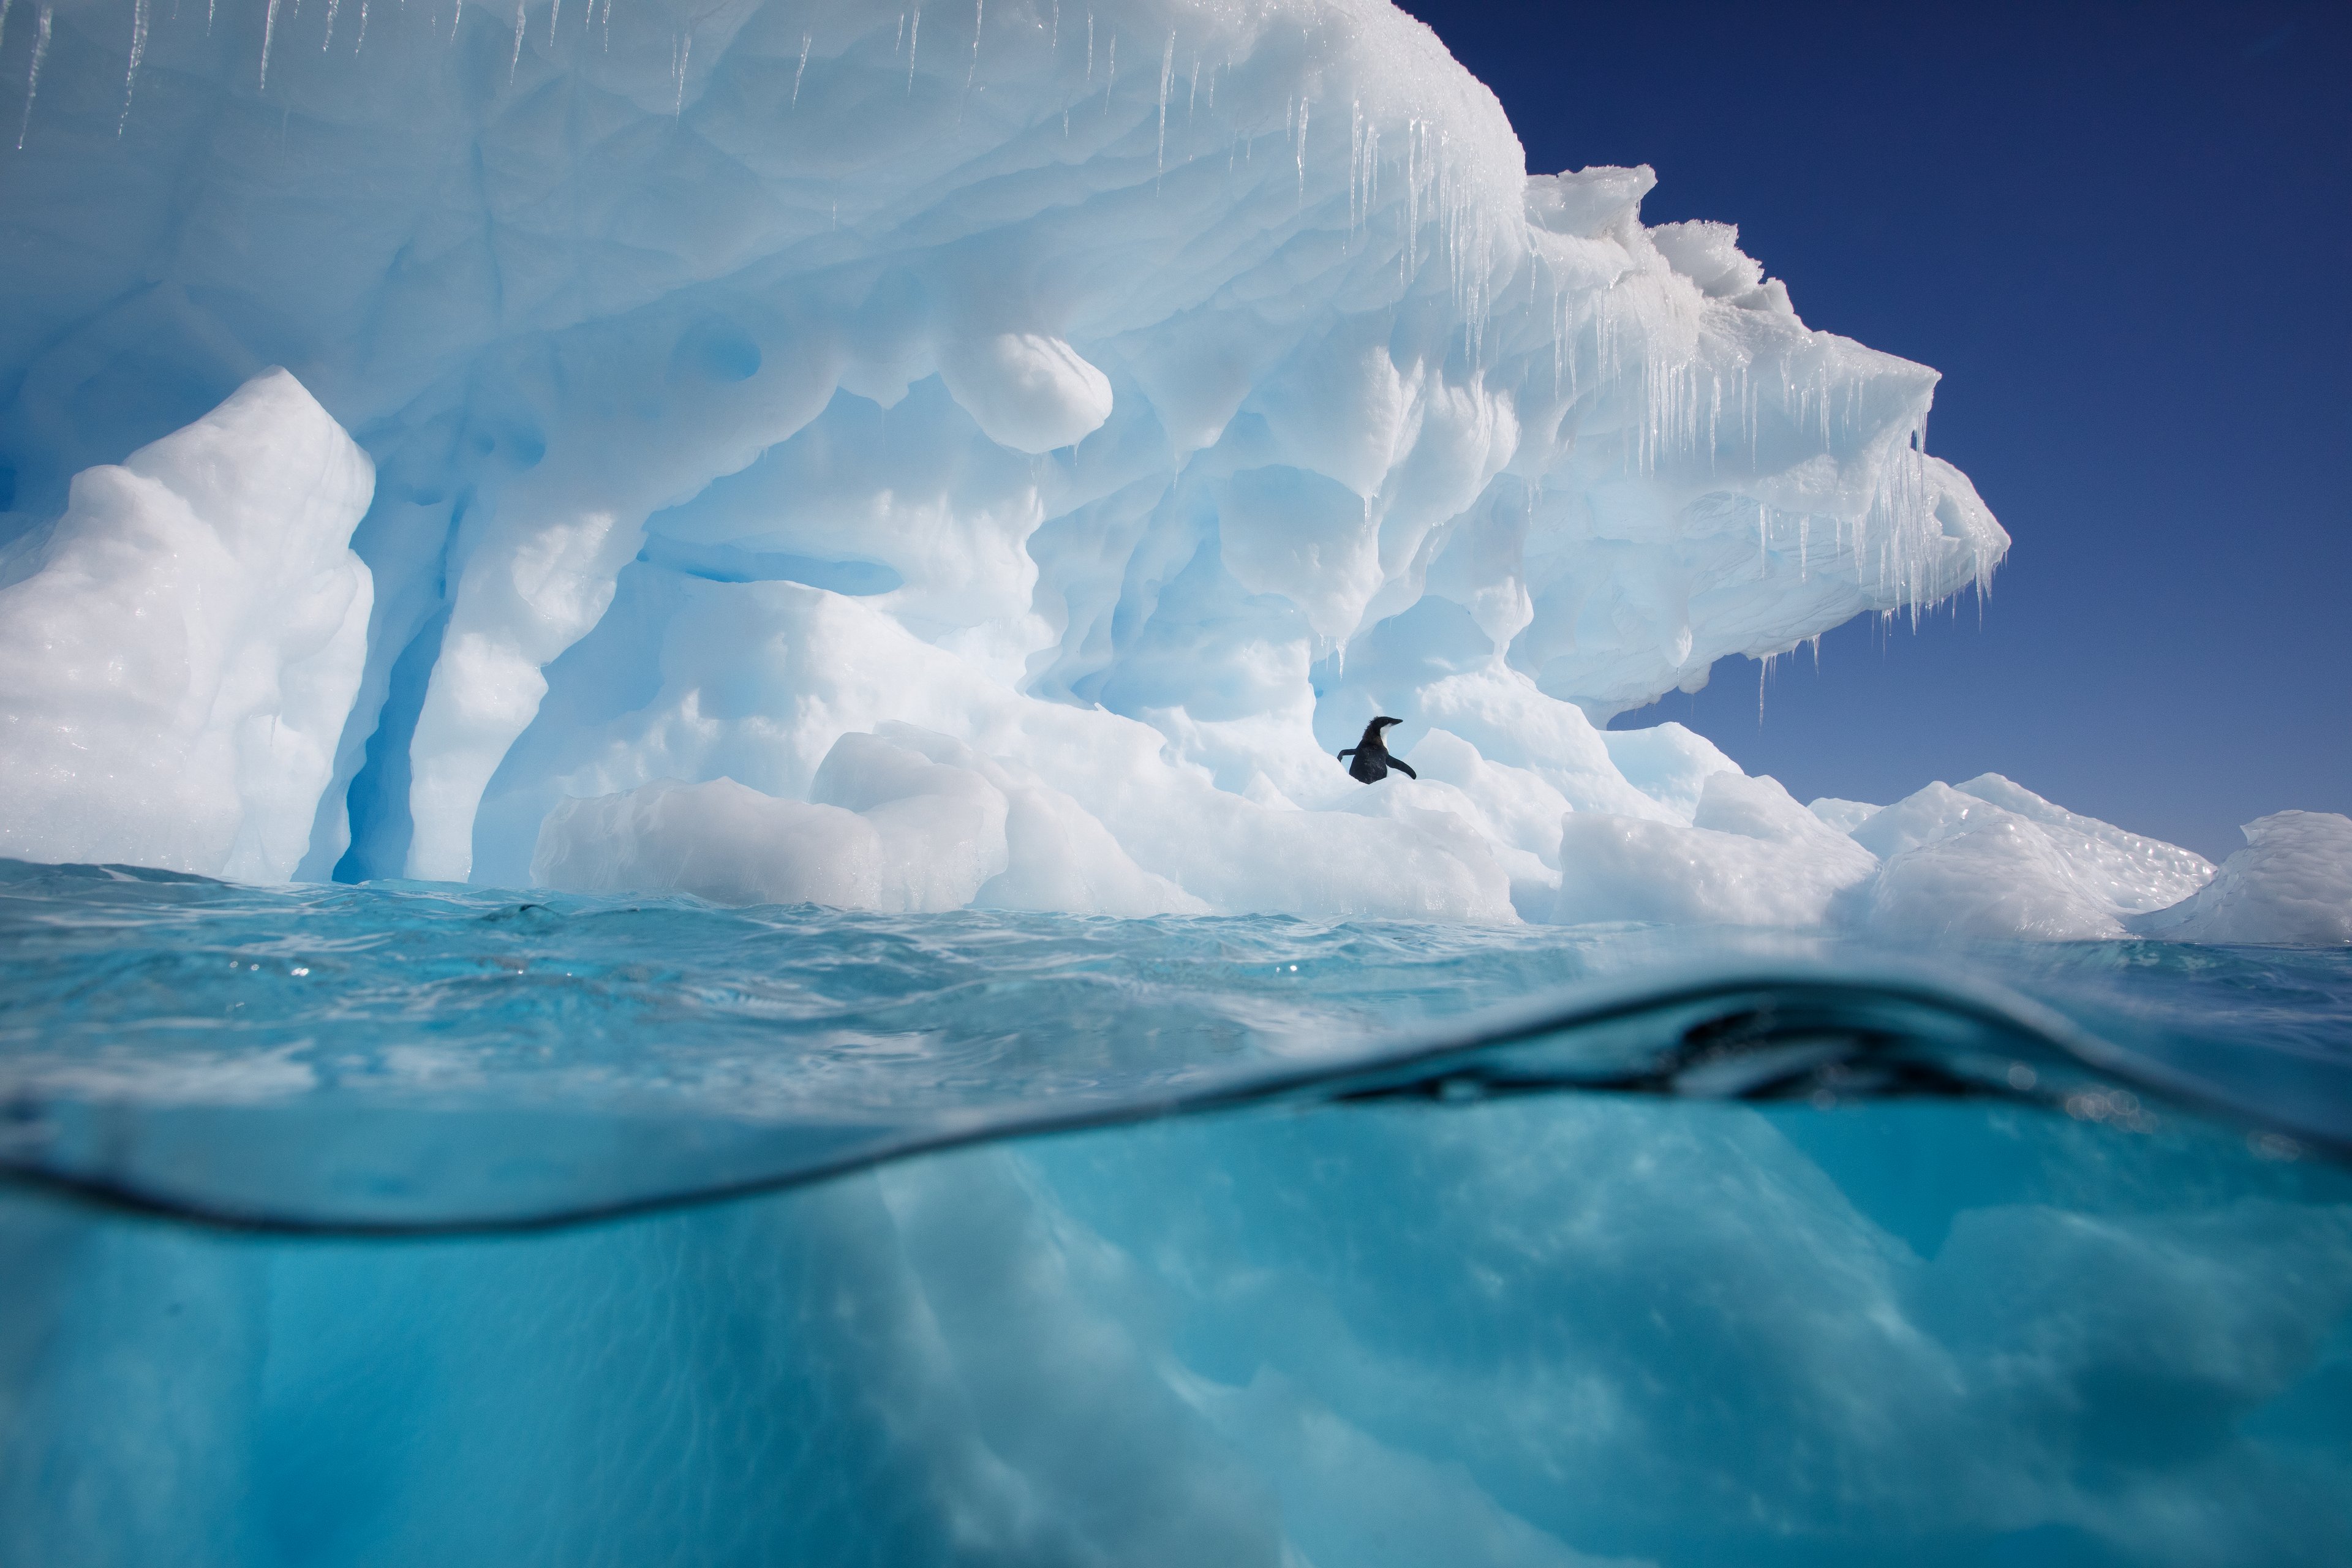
1107, 408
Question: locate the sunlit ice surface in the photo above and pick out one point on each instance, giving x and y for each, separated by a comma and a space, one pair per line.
412, 1223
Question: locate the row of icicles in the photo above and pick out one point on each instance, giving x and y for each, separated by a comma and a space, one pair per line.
1433, 197
1432, 194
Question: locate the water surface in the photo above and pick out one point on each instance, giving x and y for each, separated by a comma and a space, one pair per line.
398, 1224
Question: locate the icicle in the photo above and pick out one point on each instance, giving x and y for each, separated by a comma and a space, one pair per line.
979, 9
138, 48
269, 27
360, 42
1192, 91
33, 77
1355, 157
1111, 71
328, 42
1714, 420
1302, 151
1054, 41
685, 52
914, 40
801, 70
1167, 75
515, 59
554, 15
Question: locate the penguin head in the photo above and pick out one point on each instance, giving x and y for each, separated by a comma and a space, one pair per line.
1372, 736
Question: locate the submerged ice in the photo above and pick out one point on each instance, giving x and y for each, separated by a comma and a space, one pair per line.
1544, 1330
820, 456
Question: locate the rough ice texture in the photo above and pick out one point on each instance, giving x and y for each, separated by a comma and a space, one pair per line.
1106, 412
2291, 886
1991, 859
1750, 855
179, 654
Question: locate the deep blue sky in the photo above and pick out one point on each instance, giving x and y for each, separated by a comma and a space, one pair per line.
2123, 234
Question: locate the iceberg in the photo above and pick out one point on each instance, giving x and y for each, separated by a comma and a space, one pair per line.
2287, 888
179, 653
1111, 411
1992, 859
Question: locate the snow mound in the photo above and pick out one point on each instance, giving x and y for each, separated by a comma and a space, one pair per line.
178, 655
1750, 855
2000, 877
2127, 872
1991, 859
805, 695
887, 828
2291, 886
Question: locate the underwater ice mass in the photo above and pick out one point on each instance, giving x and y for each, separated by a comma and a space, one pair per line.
907, 460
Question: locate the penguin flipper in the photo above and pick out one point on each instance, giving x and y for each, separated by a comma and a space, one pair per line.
1346, 754
1404, 768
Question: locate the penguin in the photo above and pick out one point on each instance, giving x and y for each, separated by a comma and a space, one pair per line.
1371, 754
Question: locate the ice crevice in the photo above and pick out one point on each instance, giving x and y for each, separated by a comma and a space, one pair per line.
1079, 482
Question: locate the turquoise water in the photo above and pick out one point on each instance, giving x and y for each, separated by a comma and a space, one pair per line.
406, 1223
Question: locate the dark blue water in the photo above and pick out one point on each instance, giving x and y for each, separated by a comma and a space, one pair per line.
403, 1225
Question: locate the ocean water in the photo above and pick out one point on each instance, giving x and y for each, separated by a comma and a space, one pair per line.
413, 1224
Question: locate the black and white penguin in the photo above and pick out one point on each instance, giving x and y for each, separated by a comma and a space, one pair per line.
1371, 754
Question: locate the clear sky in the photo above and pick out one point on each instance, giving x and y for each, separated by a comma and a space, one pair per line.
2123, 234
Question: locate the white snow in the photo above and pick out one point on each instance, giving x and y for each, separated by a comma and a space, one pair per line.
178, 655
1991, 859
1845, 815
2123, 871
1750, 855
765, 393
1026, 392
1999, 878
2291, 886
